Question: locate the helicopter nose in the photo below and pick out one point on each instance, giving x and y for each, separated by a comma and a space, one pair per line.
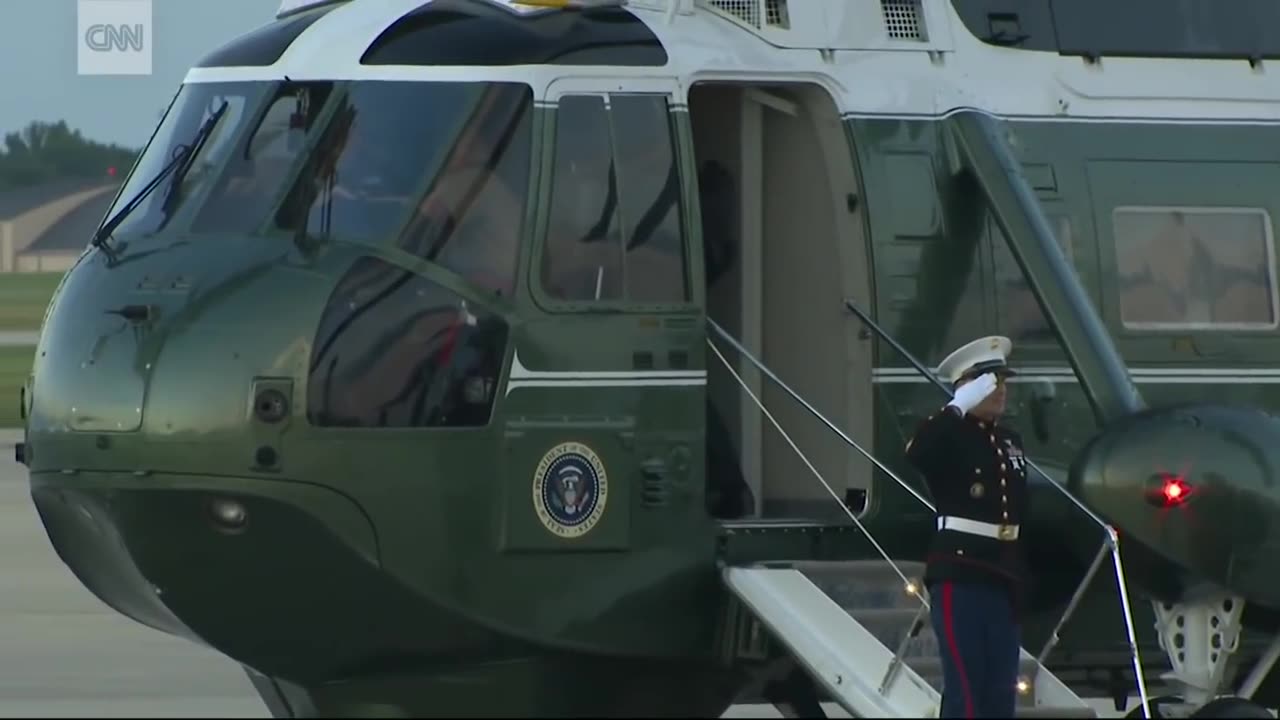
183, 346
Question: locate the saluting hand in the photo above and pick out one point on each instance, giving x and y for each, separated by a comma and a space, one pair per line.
971, 393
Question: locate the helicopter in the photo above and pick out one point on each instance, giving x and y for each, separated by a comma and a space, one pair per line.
399, 370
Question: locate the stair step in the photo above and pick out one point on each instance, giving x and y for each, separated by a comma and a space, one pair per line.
890, 626
865, 584
929, 666
862, 571
930, 670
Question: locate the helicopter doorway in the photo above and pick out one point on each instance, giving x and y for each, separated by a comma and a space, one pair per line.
784, 245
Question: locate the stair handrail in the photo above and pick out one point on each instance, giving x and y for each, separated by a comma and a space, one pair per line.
1111, 538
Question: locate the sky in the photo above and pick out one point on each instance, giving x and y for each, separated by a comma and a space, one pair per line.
39, 77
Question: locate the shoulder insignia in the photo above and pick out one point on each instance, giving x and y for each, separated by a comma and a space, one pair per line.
570, 490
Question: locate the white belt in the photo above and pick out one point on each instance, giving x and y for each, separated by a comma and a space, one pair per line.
977, 527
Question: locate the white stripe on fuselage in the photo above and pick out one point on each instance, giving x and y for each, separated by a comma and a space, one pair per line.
522, 376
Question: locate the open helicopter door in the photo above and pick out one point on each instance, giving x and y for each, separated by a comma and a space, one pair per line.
785, 238
607, 379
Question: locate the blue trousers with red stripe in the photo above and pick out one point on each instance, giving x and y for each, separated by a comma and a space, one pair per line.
979, 646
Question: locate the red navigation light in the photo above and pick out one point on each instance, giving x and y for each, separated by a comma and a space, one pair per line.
1175, 490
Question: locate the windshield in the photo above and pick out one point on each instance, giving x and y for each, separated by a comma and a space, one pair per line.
439, 169
264, 159
192, 106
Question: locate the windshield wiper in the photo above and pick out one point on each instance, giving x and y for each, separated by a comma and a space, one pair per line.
182, 159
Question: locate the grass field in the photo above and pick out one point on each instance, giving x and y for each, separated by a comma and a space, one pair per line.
15, 363
24, 297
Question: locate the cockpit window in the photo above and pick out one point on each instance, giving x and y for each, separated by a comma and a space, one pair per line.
439, 168
263, 160
471, 217
191, 107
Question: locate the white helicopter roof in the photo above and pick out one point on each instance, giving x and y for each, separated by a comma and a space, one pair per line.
885, 58
524, 6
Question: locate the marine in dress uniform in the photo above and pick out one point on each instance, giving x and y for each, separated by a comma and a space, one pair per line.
976, 471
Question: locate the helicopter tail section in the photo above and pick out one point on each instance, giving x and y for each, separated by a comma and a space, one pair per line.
864, 637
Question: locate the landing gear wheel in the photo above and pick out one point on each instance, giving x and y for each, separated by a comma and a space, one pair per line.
1232, 707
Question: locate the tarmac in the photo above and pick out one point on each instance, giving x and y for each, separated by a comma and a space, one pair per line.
63, 653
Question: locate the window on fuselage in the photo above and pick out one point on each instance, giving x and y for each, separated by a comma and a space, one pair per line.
193, 104
439, 169
396, 350
615, 231
1208, 268
256, 173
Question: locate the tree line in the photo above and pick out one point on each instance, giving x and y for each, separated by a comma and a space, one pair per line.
45, 151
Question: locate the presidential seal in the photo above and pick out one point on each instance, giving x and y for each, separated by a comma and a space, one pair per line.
570, 490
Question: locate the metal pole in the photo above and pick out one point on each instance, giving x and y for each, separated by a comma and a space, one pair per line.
897, 346
1128, 620
1054, 283
1075, 600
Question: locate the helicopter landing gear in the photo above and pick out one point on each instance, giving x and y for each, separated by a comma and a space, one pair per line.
1199, 635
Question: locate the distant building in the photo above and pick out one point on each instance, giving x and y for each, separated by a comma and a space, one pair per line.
45, 227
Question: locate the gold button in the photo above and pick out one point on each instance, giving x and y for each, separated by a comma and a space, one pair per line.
1006, 515
1002, 466
977, 471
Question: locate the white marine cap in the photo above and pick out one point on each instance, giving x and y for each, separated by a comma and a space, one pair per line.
981, 355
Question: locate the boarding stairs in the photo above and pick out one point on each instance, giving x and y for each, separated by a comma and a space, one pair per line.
848, 623
861, 629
